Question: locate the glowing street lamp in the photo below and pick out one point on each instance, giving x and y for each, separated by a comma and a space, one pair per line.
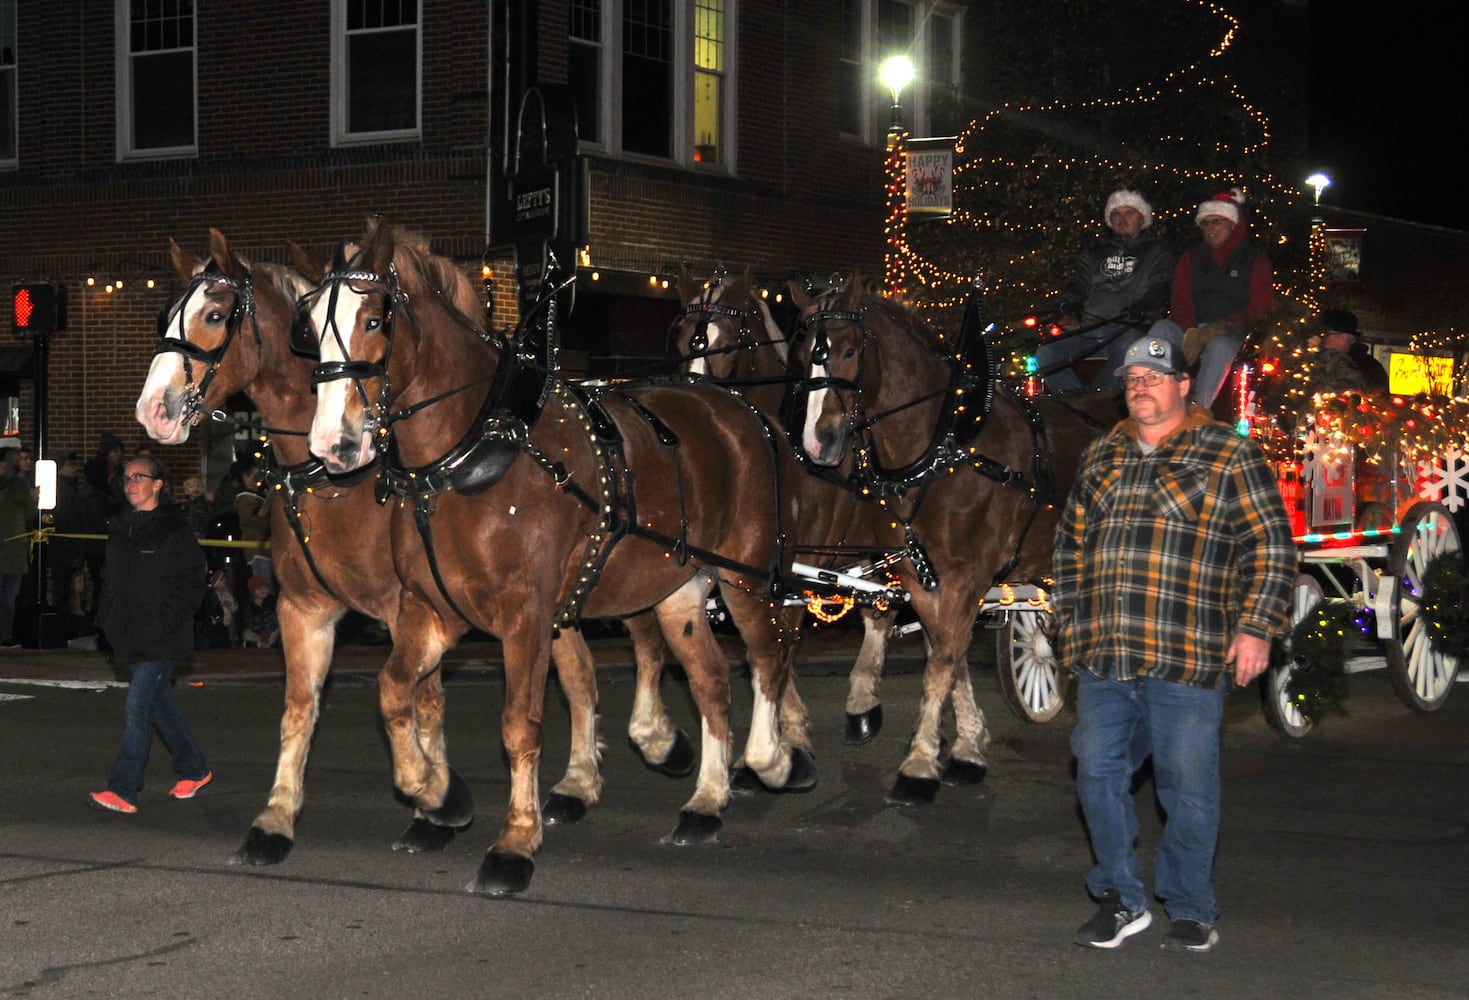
1317, 183
896, 72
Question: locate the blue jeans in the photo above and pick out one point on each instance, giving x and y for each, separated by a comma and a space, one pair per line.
9, 591
1084, 345
1119, 724
1216, 360
151, 703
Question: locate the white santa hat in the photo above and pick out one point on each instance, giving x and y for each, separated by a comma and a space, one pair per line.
1129, 199
1225, 204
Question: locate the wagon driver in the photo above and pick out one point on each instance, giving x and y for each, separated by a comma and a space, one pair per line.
1173, 572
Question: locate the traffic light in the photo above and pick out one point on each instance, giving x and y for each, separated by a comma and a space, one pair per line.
38, 307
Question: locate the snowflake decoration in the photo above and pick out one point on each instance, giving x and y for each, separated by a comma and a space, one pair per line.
1445, 479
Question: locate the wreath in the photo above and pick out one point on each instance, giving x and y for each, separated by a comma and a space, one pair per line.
1445, 608
1317, 683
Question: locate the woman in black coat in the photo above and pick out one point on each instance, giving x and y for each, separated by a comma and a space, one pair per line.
153, 581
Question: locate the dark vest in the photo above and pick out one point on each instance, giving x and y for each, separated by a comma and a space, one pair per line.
1221, 291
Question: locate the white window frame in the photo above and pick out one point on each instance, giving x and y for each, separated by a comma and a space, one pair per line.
126, 150
682, 137
914, 99
341, 92
12, 69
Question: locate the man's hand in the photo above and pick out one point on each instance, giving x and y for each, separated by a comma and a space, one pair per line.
1249, 655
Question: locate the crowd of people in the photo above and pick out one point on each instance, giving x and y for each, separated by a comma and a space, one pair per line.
89, 496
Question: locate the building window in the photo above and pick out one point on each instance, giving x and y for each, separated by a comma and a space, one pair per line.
872, 30
7, 82
654, 78
155, 78
376, 73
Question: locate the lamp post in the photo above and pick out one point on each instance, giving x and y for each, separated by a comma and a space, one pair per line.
1316, 245
896, 72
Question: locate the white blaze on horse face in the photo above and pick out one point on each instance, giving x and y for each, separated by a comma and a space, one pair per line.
329, 425
160, 406
815, 403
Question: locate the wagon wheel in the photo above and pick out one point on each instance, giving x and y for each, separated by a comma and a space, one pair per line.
1033, 682
1283, 714
1421, 675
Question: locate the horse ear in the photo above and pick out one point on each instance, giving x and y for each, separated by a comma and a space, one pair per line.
184, 262
799, 296
312, 268
380, 249
852, 292
219, 249
686, 290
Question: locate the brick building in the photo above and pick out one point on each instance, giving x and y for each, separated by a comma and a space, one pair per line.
741, 131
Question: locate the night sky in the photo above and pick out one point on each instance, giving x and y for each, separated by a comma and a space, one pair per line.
1388, 121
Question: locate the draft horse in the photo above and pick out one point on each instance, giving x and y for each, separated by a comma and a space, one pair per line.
726, 333
331, 540
969, 469
536, 503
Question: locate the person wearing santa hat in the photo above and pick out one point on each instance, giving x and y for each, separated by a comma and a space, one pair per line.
1222, 285
1123, 278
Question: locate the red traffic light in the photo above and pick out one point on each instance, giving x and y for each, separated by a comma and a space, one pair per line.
39, 308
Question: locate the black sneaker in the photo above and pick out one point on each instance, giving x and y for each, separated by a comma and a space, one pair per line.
1113, 923
1189, 935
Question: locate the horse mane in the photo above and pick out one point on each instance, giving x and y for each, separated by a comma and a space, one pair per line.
291, 284
421, 271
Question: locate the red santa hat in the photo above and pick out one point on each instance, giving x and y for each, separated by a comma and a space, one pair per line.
1225, 204
1129, 199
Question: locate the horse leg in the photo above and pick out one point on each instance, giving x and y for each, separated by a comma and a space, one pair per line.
432, 830
948, 620
969, 757
510, 861
581, 787
685, 626
440, 796
773, 754
864, 685
662, 745
308, 635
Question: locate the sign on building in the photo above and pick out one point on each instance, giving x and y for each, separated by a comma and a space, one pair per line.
930, 180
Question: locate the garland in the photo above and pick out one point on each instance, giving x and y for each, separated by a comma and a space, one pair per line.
1445, 608
1318, 651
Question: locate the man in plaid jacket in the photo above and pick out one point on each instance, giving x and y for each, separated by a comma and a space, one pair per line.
1174, 566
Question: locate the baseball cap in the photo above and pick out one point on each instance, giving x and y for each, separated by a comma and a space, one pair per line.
1155, 353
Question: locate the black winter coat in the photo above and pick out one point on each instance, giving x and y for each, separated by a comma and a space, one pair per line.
152, 583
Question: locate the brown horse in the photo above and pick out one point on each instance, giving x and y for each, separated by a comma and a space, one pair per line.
536, 504
727, 334
972, 485
331, 539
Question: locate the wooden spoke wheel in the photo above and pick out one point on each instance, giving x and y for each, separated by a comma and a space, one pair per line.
1281, 711
1033, 682
1421, 675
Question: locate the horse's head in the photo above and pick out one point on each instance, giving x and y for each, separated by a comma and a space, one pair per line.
215, 339
725, 331
351, 323
834, 352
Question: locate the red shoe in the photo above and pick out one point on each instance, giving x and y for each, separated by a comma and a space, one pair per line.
110, 801
185, 788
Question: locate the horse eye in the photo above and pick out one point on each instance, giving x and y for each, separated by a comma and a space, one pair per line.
215, 316
849, 354
372, 324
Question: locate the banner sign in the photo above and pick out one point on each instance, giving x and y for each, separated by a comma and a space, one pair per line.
930, 178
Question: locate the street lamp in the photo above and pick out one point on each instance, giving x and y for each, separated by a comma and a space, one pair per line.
896, 72
1318, 182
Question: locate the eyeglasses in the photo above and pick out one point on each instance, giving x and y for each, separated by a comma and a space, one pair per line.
138, 477
1147, 381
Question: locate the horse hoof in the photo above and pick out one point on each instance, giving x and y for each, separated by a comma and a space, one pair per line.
502, 874
679, 761
563, 809
963, 772
861, 728
908, 791
803, 772
744, 781
694, 829
261, 848
423, 837
457, 810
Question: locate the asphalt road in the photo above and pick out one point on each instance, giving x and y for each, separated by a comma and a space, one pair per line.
1343, 869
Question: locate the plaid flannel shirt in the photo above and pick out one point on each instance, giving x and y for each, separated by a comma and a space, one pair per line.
1162, 558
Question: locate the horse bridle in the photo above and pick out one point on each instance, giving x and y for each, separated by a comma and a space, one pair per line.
814, 326
359, 371
209, 357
